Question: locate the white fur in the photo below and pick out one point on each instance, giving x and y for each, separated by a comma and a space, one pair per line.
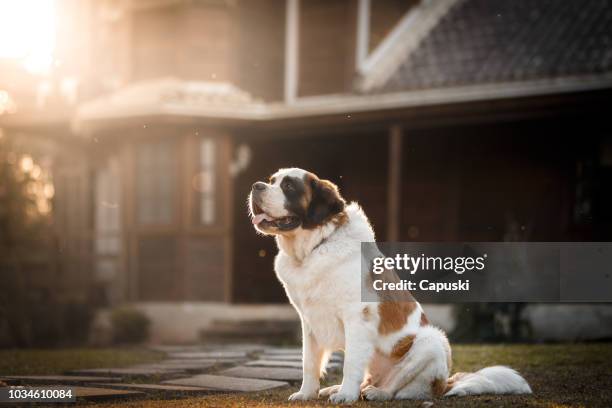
491, 380
320, 270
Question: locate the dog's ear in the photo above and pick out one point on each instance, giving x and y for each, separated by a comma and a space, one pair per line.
325, 202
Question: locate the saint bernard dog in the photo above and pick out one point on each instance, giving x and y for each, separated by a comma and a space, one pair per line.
391, 350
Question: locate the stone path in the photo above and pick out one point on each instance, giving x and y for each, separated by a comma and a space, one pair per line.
283, 374
224, 383
186, 370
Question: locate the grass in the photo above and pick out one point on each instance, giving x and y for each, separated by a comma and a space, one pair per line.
561, 375
45, 362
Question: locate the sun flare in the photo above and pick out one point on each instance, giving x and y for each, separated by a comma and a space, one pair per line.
27, 33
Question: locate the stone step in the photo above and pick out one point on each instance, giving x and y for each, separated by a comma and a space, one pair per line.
287, 364
267, 373
257, 331
156, 388
128, 372
224, 383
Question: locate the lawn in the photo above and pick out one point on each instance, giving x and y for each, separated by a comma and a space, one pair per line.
44, 362
575, 375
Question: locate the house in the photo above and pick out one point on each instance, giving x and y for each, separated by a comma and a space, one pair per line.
458, 120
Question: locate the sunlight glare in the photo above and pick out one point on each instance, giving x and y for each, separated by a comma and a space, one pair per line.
27, 33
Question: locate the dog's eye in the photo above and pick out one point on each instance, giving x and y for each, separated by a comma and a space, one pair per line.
288, 186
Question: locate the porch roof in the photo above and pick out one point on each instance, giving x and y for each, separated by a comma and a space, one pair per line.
228, 104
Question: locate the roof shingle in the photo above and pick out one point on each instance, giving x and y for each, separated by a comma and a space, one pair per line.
485, 41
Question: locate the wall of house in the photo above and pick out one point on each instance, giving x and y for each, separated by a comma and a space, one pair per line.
326, 46
516, 181
259, 52
240, 42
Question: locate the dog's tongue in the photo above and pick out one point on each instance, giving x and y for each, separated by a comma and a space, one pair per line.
260, 217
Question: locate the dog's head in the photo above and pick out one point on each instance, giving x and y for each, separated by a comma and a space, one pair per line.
293, 198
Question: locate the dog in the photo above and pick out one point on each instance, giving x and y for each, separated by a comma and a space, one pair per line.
391, 350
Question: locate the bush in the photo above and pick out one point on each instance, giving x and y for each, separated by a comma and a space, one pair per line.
130, 326
490, 322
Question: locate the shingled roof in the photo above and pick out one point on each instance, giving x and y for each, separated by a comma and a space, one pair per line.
484, 42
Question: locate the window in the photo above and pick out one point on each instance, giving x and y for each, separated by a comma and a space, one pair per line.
156, 182
205, 183
107, 209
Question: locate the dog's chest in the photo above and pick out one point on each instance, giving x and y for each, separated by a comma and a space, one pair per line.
317, 302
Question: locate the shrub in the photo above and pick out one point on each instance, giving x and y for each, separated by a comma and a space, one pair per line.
130, 326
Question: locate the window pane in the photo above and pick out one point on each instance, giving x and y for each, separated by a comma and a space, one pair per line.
205, 183
155, 182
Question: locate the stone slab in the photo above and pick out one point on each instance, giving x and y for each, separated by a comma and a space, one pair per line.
232, 354
156, 388
266, 373
184, 366
206, 361
127, 372
283, 350
57, 379
287, 364
291, 357
224, 383
94, 393
245, 347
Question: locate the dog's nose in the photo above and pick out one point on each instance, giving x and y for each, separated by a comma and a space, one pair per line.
259, 186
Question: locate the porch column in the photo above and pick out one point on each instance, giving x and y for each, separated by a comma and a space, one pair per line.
394, 188
292, 59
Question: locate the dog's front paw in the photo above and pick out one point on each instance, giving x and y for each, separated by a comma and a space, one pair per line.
326, 392
371, 393
302, 396
343, 397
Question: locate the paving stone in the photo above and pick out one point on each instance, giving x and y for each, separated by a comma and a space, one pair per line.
291, 357
94, 393
128, 371
288, 364
156, 388
57, 379
268, 373
184, 366
245, 347
201, 362
223, 383
282, 350
210, 355
282, 357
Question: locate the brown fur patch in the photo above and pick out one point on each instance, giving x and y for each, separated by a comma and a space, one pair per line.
402, 347
321, 203
457, 377
440, 387
424, 320
393, 315
307, 197
340, 219
366, 314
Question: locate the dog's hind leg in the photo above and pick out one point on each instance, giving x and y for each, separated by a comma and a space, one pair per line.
372, 393
405, 372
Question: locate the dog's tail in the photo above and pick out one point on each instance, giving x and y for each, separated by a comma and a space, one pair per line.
490, 380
